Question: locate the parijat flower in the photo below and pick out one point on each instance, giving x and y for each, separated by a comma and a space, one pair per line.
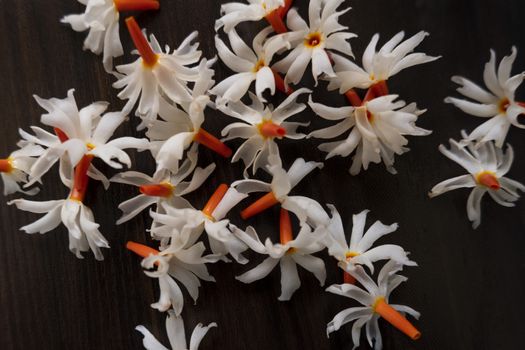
162, 187
377, 131
15, 168
358, 250
312, 41
176, 334
182, 262
375, 300
487, 166
250, 65
273, 11
261, 125
498, 103
289, 253
277, 191
156, 74
378, 66
101, 19
78, 218
211, 220
81, 133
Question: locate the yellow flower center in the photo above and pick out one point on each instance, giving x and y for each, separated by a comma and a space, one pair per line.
488, 179
376, 302
313, 40
260, 64
503, 105
350, 254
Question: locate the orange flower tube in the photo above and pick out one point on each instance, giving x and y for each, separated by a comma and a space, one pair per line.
81, 179
353, 98
283, 10
279, 83
149, 57
209, 141
396, 319
141, 249
260, 205
285, 227
214, 200
61, 135
270, 129
157, 190
276, 21
136, 5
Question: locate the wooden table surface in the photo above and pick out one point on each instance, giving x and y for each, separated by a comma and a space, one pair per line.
469, 285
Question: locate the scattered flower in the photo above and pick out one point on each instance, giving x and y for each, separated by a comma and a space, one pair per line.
487, 166
498, 103
15, 168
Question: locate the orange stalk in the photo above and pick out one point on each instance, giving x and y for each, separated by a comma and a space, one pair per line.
136, 5
370, 94
279, 83
488, 179
81, 178
157, 190
208, 140
141, 249
214, 200
260, 205
283, 10
149, 57
348, 278
380, 88
285, 227
5, 166
276, 21
270, 129
61, 135
353, 98
396, 319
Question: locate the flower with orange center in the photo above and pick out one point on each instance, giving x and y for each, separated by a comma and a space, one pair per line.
498, 104
378, 66
487, 165
375, 300
188, 224
289, 253
162, 187
359, 248
176, 334
314, 42
250, 65
260, 127
156, 74
377, 130
14, 169
101, 19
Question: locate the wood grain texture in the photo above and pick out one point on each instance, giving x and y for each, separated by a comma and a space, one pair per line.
469, 285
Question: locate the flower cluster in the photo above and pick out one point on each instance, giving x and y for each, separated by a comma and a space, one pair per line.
481, 153
172, 91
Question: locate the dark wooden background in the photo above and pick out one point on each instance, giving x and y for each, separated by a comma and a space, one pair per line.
469, 286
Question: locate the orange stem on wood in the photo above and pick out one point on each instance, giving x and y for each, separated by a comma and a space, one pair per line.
136, 5
208, 140
285, 227
141, 249
214, 200
353, 98
149, 57
396, 319
157, 190
81, 178
260, 205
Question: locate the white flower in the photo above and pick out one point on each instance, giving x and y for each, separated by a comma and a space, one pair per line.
176, 336
82, 229
101, 19
162, 187
156, 74
487, 166
234, 13
211, 220
377, 131
250, 65
282, 183
374, 298
498, 104
358, 251
312, 42
184, 263
87, 134
378, 66
261, 125
288, 255
15, 168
